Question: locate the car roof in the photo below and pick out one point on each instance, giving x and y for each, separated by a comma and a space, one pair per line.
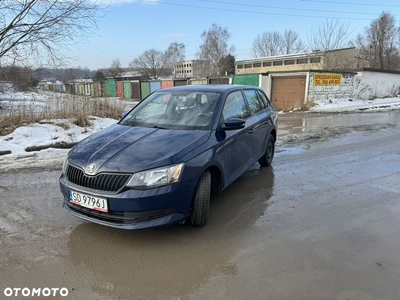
208, 88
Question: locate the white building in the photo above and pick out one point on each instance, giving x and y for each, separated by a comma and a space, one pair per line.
192, 68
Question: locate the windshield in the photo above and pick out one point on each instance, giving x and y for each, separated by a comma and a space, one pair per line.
175, 109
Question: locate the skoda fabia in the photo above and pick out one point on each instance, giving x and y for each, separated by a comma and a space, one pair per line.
160, 163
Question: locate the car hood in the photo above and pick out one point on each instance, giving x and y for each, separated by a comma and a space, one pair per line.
129, 149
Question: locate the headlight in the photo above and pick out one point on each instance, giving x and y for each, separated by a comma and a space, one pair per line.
156, 177
65, 164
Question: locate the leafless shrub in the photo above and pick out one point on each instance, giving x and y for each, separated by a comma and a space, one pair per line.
75, 108
81, 121
307, 106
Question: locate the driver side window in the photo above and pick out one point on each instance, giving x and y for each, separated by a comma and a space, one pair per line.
235, 106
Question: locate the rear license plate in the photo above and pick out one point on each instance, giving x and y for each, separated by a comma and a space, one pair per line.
95, 203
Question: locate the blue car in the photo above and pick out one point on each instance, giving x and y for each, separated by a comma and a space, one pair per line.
160, 163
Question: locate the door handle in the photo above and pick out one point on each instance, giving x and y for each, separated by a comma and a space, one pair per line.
251, 130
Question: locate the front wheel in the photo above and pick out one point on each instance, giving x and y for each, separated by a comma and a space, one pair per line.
268, 156
201, 201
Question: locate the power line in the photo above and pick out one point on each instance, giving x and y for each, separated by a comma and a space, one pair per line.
353, 3
255, 12
288, 8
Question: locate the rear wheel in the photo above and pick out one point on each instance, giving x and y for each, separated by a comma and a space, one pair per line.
201, 201
268, 156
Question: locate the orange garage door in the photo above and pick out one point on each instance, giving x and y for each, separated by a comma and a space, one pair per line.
288, 92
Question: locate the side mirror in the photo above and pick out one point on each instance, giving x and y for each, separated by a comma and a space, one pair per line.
124, 114
233, 124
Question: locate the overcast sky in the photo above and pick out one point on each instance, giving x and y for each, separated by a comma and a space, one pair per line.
132, 26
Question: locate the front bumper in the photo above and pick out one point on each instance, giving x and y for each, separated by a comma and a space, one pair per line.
134, 209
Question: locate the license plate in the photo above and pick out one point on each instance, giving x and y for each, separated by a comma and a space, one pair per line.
95, 203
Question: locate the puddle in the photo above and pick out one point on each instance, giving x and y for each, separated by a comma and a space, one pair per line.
288, 150
306, 122
320, 127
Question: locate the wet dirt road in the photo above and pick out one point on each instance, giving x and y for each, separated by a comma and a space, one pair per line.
321, 223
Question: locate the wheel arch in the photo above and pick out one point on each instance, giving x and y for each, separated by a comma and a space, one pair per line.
273, 133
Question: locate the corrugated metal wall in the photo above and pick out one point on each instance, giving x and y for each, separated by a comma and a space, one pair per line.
139, 90
135, 88
144, 89
106, 92
180, 82
120, 89
197, 81
218, 80
127, 90
155, 85
167, 83
98, 89
251, 79
112, 87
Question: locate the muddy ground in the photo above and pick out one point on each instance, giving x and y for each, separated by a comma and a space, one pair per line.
321, 223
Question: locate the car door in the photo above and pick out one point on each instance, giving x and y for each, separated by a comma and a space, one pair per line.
258, 123
234, 151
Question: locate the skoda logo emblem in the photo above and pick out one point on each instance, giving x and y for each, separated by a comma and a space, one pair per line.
90, 169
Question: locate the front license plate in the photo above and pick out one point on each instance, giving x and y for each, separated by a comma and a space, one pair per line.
88, 201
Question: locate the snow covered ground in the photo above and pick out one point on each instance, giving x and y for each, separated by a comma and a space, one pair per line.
34, 145
18, 147
354, 105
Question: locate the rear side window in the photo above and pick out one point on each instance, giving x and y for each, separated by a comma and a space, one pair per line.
255, 104
235, 106
264, 98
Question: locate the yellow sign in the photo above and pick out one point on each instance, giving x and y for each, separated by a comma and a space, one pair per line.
327, 79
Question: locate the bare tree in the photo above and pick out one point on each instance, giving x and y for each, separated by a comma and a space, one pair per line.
227, 65
175, 53
43, 31
115, 68
331, 34
155, 63
267, 44
99, 75
215, 47
274, 43
380, 43
21, 77
292, 42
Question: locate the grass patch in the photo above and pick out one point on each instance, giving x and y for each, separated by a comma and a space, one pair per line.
307, 106
81, 121
59, 145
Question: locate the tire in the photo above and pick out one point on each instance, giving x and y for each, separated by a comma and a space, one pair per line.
201, 201
268, 156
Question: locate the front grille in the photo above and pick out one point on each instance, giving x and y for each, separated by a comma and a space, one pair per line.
102, 182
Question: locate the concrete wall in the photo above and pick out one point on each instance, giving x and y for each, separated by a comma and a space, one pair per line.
324, 86
371, 85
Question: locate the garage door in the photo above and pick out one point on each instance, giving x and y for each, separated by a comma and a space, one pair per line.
222, 80
180, 82
288, 92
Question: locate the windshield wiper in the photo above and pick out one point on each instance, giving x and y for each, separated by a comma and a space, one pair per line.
159, 127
